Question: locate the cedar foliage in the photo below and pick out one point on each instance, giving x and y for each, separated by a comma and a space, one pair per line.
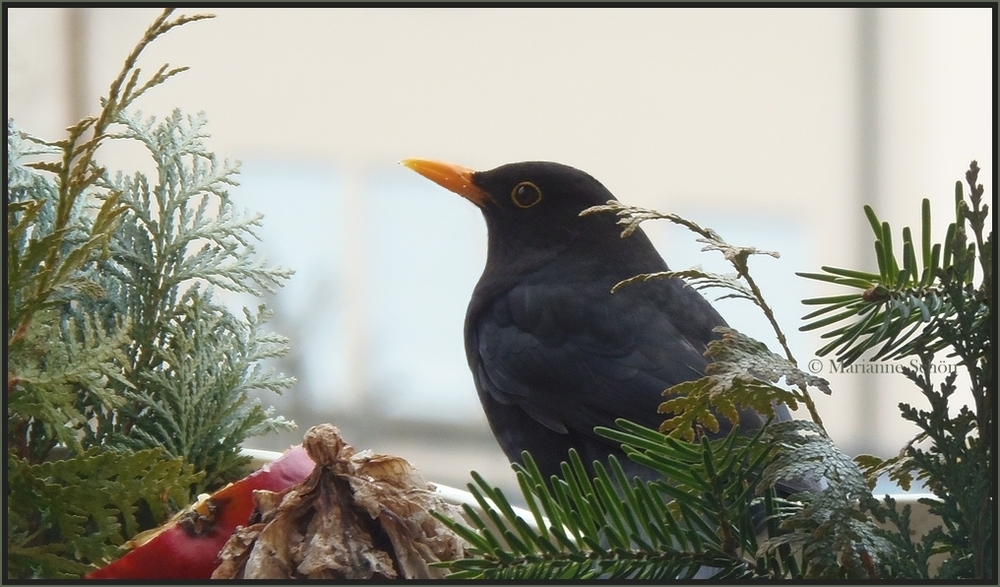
127, 380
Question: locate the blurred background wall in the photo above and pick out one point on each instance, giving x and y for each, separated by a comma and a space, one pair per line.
773, 126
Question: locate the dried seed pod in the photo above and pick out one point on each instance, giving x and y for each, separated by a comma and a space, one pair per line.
357, 516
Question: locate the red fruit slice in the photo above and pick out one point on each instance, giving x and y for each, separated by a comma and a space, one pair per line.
187, 546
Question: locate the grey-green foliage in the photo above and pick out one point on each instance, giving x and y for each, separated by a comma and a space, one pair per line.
127, 381
193, 361
716, 513
832, 529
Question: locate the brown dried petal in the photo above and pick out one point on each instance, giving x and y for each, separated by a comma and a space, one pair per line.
270, 557
267, 502
357, 516
386, 468
234, 555
338, 540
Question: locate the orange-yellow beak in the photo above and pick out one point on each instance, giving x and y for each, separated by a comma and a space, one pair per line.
453, 177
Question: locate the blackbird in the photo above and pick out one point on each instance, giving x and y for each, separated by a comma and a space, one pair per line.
553, 352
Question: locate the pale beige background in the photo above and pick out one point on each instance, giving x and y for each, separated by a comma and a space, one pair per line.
772, 125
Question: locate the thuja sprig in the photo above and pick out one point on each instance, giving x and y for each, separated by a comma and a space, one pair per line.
127, 383
77, 171
742, 285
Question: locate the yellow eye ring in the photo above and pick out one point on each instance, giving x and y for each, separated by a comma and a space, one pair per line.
526, 194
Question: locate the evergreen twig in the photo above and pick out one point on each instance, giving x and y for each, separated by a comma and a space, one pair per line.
126, 382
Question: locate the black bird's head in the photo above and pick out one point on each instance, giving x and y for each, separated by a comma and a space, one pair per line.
532, 209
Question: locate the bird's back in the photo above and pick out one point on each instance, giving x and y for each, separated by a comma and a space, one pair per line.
554, 353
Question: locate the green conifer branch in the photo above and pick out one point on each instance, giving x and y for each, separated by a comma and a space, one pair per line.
127, 384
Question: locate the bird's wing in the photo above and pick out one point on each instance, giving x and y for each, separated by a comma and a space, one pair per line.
577, 357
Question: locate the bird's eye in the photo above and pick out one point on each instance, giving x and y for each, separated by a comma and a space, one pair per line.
526, 194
